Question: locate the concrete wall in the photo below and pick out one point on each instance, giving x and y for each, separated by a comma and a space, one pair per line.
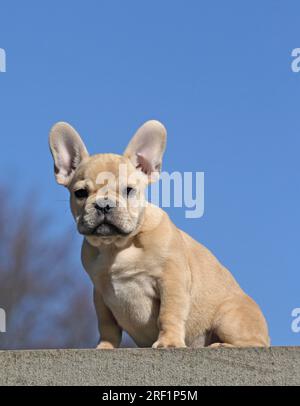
202, 366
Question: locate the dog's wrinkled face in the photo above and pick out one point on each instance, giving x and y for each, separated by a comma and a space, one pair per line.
107, 196
107, 190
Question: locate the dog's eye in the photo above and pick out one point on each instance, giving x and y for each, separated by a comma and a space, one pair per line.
81, 194
129, 191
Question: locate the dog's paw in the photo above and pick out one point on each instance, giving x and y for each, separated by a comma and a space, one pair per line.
220, 345
105, 345
169, 342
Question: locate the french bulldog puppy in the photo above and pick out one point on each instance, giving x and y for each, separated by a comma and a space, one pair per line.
150, 279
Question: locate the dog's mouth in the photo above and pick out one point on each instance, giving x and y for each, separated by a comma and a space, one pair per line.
104, 229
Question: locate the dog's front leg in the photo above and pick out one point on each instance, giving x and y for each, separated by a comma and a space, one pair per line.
110, 331
174, 308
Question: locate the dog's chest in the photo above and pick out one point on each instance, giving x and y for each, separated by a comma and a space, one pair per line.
132, 284
131, 296
130, 290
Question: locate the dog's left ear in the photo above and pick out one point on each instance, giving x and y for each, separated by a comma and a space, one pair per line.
147, 147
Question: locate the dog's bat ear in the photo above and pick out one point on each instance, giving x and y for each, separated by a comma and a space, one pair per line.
67, 149
147, 147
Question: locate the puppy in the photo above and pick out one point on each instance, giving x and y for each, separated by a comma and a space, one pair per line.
150, 279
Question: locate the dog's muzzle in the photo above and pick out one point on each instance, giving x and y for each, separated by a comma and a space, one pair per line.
102, 220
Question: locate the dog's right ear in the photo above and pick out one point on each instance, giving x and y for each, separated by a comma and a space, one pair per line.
68, 150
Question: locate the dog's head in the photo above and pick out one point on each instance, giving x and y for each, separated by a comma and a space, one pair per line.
107, 190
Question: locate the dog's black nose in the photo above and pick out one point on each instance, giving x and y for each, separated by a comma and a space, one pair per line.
105, 208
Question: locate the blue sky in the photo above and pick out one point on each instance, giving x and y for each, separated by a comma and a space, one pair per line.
216, 73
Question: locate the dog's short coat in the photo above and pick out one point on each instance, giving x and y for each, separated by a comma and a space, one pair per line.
150, 278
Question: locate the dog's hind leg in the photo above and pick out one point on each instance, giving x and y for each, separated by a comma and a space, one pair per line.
240, 323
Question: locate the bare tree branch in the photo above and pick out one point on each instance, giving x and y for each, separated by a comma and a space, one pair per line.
46, 295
